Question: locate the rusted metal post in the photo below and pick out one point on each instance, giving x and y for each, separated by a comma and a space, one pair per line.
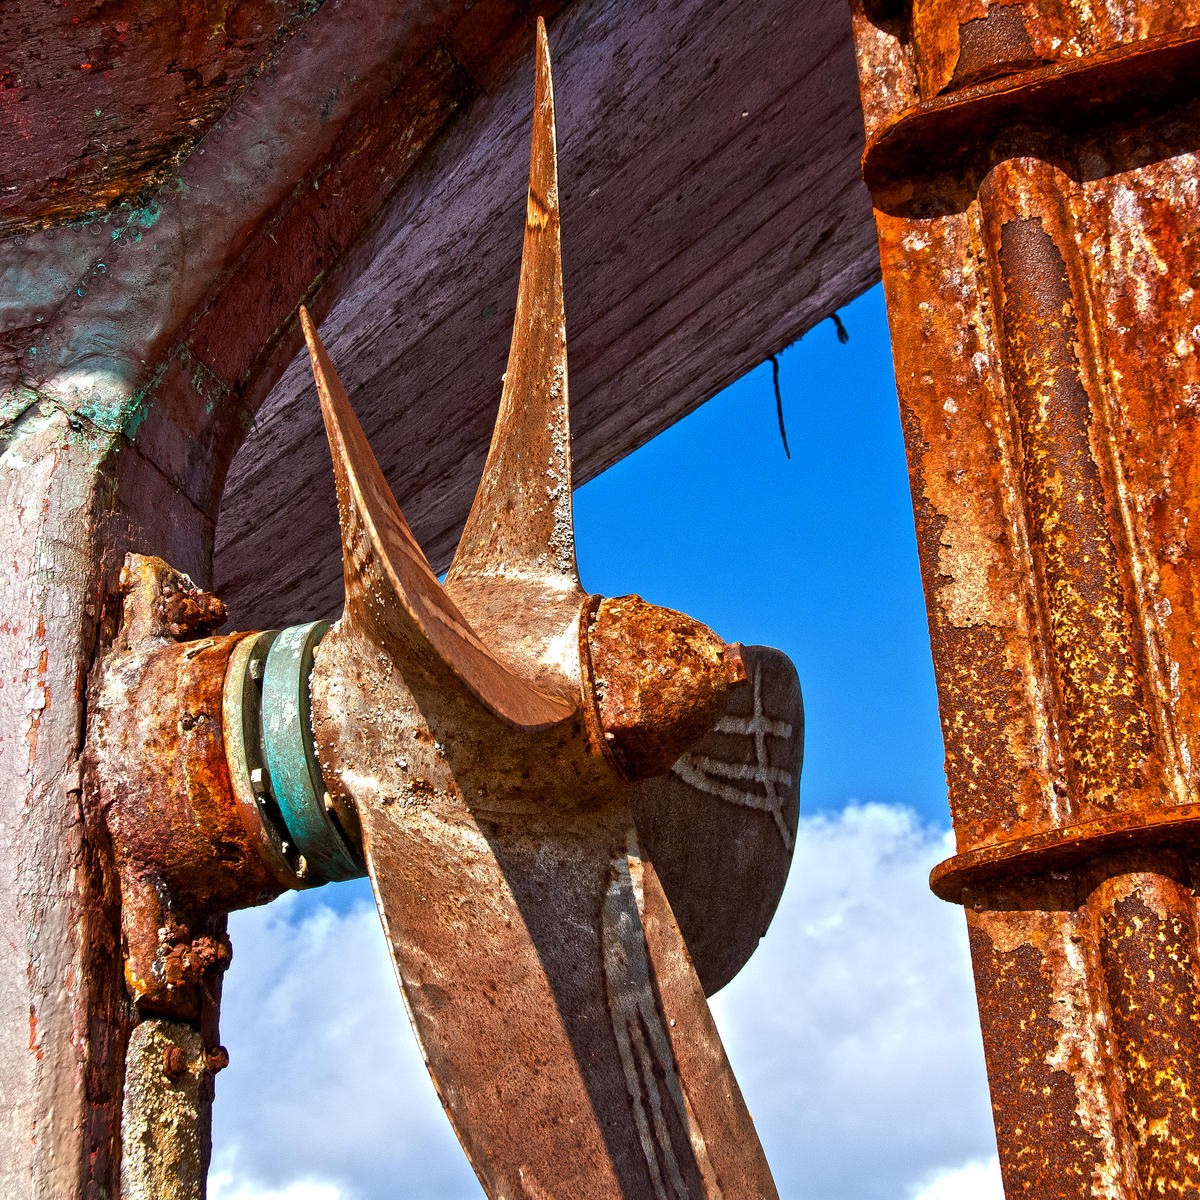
1033, 169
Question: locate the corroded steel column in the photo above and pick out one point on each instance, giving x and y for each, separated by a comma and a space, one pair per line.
1034, 173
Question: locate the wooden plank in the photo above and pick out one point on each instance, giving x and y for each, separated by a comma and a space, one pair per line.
696, 241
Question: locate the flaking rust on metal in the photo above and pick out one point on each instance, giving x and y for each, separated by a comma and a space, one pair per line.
1035, 179
648, 665
1046, 1041
188, 612
185, 855
1142, 905
1070, 492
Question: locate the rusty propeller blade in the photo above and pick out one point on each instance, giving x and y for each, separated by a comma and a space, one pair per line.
721, 827
520, 523
514, 572
391, 591
545, 974
565, 1031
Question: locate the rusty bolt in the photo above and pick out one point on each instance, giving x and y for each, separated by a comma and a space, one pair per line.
209, 952
174, 1061
190, 612
186, 963
216, 1059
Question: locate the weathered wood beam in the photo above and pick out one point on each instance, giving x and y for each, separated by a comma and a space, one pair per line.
712, 212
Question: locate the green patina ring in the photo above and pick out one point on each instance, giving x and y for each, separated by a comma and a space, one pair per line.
241, 706
291, 760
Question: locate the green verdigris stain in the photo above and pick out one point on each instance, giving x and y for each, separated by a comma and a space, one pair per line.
146, 217
207, 385
126, 414
140, 220
138, 406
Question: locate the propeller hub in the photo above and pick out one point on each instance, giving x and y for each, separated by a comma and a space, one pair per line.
658, 681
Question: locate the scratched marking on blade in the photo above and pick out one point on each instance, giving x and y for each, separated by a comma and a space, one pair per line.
647, 1060
706, 773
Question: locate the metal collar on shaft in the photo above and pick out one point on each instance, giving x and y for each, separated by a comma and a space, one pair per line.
286, 779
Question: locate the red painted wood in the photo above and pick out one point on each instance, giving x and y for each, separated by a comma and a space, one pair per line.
98, 99
696, 240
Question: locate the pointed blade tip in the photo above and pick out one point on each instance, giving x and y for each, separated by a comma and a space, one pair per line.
307, 325
322, 366
316, 348
543, 79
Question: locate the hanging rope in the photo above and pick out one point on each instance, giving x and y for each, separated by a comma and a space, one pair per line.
843, 336
774, 358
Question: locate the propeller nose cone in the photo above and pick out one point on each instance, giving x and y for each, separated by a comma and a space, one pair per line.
658, 681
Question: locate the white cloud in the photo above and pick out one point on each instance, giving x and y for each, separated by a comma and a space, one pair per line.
325, 1080
223, 1186
852, 1031
976, 1180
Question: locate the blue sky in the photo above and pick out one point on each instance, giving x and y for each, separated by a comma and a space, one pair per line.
815, 555
853, 1029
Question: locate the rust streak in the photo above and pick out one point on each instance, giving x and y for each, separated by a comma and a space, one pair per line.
1095, 660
